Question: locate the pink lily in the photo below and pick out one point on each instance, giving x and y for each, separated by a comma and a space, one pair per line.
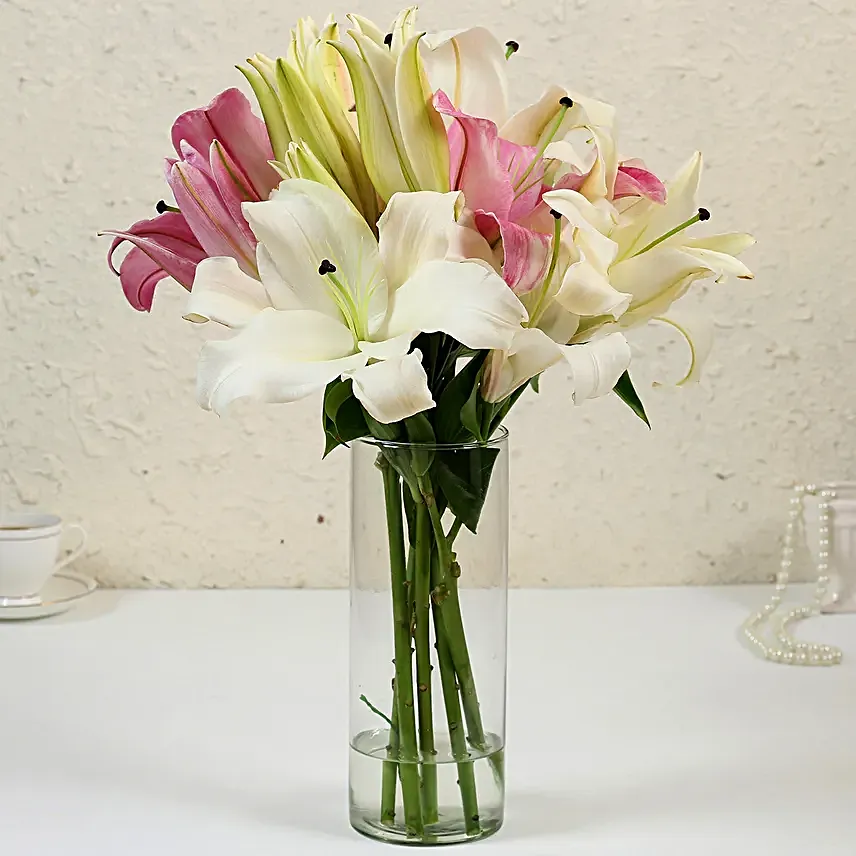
502, 184
224, 152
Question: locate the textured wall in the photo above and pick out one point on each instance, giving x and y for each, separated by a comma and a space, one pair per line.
97, 415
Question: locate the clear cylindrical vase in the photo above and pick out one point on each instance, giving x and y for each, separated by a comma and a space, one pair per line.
429, 583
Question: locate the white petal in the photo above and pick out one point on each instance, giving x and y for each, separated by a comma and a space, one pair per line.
526, 127
531, 353
697, 330
278, 357
596, 366
730, 243
395, 389
681, 204
387, 348
279, 292
304, 223
658, 278
580, 212
222, 292
586, 291
465, 300
414, 229
470, 67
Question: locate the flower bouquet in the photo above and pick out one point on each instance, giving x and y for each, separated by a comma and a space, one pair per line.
388, 235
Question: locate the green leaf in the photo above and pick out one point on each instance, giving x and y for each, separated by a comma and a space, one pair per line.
464, 477
343, 416
471, 415
535, 383
458, 392
335, 395
420, 432
625, 390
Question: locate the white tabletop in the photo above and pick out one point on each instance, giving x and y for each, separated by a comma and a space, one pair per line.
214, 724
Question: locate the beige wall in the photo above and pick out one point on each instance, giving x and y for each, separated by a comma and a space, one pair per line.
97, 414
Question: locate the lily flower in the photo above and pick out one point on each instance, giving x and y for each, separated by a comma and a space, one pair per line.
223, 161
574, 286
333, 300
653, 259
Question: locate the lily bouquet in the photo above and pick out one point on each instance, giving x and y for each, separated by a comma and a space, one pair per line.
386, 233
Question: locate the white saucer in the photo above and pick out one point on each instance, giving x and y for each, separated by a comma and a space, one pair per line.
61, 592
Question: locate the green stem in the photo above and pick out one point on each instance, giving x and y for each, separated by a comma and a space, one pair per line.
389, 780
408, 753
452, 703
422, 581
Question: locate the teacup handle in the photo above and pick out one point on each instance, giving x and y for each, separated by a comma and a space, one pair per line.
76, 552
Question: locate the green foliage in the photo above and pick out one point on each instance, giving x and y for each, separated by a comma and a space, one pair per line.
343, 416
625, 390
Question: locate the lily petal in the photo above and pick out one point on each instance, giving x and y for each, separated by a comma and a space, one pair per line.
525, 168
170, 245
139, 274
475, 165
636, 181
229, 118
596, 366
465, 300
209, 218
223, 293
470, 66
414, 229
588, 292
697, 330
372, 72
730, 243
393, 389
422, 128
277, 357
304, 223
527, 126
531, 352
526, 254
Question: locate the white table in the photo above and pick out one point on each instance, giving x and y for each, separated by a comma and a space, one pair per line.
214, 724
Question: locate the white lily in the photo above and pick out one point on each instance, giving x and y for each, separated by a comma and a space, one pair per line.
335, 301
575, 286
653, 260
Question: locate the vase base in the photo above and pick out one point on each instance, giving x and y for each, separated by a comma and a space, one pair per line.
436, 834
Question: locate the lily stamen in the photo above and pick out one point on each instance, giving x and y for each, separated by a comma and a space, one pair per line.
566, 104
344, 299
551, 270
701, 215
511, 48
162, 208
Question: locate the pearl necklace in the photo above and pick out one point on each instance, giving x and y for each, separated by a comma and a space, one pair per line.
790, 651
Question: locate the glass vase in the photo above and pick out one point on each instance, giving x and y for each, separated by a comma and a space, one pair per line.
429, 583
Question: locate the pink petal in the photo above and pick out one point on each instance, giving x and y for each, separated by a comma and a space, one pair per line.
194, 157
637, 181
233, 187
217, 231
167, 241
475, 165
522, 161
139, 275
229, 118
526, 254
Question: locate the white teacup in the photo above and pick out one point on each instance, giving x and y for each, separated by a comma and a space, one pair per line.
29, 547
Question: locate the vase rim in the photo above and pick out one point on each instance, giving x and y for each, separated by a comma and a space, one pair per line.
499, 438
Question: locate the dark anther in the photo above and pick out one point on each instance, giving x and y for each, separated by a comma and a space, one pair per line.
387, 39
703, 214
555, 213
513, 46
326, 267
566, 102
162, 207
